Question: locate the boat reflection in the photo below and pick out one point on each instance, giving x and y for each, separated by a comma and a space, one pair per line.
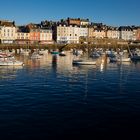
54, 62
9, 72
103, 63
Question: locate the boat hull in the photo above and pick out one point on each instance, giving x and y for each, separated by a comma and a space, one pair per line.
84, 62
124, 60
135, 58
11, 63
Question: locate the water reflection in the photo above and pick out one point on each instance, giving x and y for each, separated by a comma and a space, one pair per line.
51, 94
103, 63
54, 62
9, 72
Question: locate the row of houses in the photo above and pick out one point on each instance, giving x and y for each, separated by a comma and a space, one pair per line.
31, 33
64, 32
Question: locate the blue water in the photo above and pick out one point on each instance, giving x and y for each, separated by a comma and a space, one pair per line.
52, 99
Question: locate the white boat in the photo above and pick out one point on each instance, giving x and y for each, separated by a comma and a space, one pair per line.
136, 55
119, 59
4, 57
24, 52
84, 62
62, 53
43, 52
36, 56
124, 59
11, 63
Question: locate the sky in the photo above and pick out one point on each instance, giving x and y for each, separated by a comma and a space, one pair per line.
110, 12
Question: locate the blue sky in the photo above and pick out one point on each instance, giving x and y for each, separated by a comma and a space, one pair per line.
111, 12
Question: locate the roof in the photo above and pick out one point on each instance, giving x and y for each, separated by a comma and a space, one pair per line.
7, 23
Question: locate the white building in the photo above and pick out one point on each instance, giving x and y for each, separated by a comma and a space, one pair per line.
85, 22
7, 31
68, 34
83, 32
8, 34
126, 33
113, 33
46, 36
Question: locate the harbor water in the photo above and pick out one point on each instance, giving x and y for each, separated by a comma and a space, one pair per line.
50, 98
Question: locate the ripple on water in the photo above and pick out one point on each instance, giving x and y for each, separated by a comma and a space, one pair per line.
49, 99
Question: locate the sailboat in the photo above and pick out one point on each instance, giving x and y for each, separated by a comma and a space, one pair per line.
82, 61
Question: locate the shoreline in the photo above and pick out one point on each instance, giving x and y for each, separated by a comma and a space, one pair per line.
68, 46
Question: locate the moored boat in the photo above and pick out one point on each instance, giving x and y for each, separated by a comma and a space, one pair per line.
35, 55
11, 63
84, 62
62, 53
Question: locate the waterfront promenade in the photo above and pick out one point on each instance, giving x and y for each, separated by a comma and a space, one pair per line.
100, 43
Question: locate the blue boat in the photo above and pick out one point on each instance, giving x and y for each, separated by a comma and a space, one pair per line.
54, 52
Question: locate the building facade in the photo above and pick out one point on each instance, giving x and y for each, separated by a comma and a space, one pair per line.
34, 36
46, 36
22, 38
72, 21
126, 33
113, 33
85, 22
83, 32
68, 34
8, 32
138, 34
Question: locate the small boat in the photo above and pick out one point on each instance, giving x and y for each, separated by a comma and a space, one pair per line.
136, 55
9, 60
77, 52
119, 59
43, 52
62, 53
4, 57
135, 58
11, 63
55, 52
36, 56
123, 59
84, 62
